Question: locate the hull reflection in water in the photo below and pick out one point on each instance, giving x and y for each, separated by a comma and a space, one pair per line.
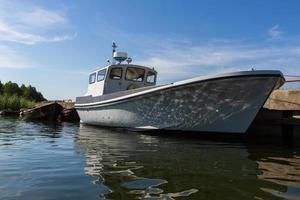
138, 166
113, 159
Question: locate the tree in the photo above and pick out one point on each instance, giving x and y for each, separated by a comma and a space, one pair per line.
1, 88
22, 88
31, 93
28, 92
11, 88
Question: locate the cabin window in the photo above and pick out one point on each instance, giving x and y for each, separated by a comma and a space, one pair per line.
150, 78
101, 75
92, 78
116, 73
135, 74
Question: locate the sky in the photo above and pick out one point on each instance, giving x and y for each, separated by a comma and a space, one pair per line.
54, 45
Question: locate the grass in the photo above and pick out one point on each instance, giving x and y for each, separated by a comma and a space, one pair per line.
15, 102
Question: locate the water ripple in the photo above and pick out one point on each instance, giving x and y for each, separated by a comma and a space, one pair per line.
68, 161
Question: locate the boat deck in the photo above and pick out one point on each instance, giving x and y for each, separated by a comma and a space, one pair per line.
92, 99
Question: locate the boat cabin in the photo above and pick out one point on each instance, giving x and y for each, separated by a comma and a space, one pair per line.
120, 77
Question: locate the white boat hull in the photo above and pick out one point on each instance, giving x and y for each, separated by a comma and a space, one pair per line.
226, 104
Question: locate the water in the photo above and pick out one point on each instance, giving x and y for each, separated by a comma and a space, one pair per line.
71, 161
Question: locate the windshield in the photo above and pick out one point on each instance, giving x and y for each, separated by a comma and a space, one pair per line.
150, 78
116, 73
92, 78
101, 75
135, 74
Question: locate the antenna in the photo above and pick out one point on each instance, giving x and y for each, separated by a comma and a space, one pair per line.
114, 46
129, 60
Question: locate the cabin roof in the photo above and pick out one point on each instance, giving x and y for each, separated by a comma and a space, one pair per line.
123, 66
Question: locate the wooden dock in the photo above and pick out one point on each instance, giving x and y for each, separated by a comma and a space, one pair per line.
284, 99
280, 116
52, 111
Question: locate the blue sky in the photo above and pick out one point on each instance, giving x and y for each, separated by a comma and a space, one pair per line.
53, 45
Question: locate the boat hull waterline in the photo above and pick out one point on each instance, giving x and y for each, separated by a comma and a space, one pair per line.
224, 103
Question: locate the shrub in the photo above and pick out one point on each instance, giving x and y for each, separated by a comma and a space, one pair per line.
15, 102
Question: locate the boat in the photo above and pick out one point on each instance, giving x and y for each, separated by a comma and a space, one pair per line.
126, 95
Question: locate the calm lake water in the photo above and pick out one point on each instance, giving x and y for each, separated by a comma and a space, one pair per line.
72, 161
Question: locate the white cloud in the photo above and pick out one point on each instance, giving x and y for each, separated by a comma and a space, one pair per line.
275, 32
23, 23
39, 17
176, 62
32, 24
9, 33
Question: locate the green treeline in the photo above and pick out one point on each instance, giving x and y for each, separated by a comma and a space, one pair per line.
15, 98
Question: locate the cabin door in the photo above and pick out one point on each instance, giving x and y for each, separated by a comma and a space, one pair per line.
113, 86
114, 82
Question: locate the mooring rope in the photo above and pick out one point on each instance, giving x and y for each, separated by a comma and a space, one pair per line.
291, 80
